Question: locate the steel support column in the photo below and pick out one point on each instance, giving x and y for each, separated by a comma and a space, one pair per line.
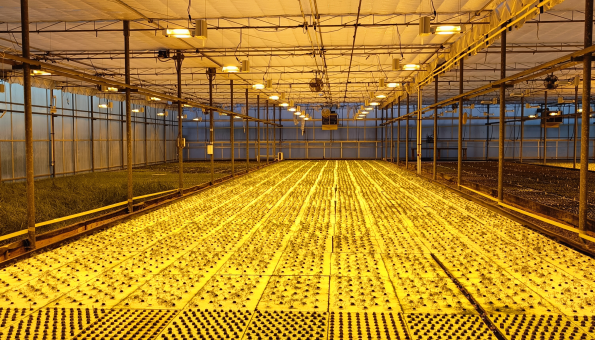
231, 130
522, 127
435, 154
460, 132
267, 129
392, 132
502, 125
407, 135
211, 72
399, 130
128, 114
582, 214
544, 122
92, 137
30, 189
381, 132
576, 116
247, 135
274, 132
418, 127
178, 61
258, 129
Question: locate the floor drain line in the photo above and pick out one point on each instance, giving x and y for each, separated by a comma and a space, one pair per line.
480, 310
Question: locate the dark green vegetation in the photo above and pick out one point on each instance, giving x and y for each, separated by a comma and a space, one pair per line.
69, 195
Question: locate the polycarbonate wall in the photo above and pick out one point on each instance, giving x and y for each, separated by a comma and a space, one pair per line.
363, 139
154, 136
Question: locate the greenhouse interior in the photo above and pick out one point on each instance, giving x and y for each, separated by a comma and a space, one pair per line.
297, 169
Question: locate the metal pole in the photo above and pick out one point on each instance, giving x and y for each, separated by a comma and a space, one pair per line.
267, 129
247, 135
211, 72
53, 136
231, 131
419, 105
460, 139
92, 137
146, 150
392, 132
502, 125
128, 112
544, 120
258, 128
399, 131
179, 60
488, 127
582, 214
522, 127
382, 155
28, 124
274, 132
435, 160
575, 125
407, 136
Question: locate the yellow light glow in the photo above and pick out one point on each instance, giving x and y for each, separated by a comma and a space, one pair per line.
292, 109
302, 115
380, 96
155, 99
532, 116
135, 110
374, 103
297, 113
102, 106
161, 114
186, 105
195, 119
230, 69
284, 104
369, 108
448, 29
40, 73
392, 85
258, 86
274, 97
411, 67
358, 117
178, 33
